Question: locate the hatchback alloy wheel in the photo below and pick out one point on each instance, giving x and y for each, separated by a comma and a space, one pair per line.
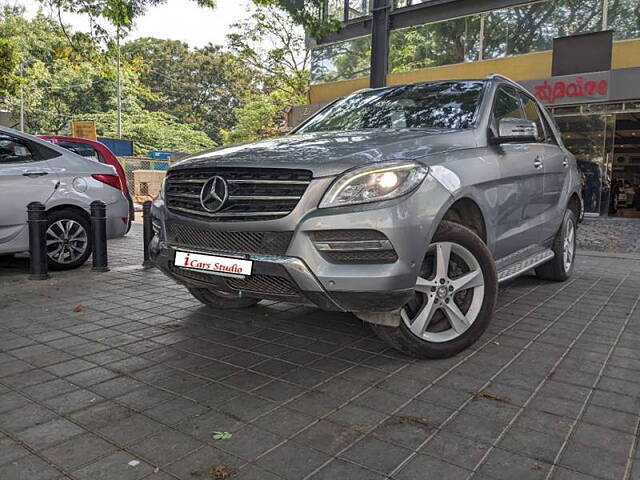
66, 241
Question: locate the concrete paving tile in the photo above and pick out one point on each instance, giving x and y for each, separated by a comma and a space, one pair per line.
120, 465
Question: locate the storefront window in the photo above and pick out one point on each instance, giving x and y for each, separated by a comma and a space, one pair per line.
591, 139
335, 9
624, 19
532, 28
444, 43
358, 8
341, 61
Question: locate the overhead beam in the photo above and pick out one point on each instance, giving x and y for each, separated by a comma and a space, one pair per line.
418, 14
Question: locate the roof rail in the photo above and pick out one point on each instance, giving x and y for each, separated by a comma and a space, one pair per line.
497, 76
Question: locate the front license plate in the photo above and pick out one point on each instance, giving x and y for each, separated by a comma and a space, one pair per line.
214, 264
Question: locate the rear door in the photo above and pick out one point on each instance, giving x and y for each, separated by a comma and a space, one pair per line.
556, 169
520, 193
25, 177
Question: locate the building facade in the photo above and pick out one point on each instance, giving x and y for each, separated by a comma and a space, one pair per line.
580, 58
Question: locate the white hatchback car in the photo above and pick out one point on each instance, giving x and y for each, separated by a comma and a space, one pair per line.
34, 170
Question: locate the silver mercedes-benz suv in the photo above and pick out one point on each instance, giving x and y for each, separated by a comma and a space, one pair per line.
405, 205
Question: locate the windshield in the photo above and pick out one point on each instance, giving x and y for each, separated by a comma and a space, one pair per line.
450, 105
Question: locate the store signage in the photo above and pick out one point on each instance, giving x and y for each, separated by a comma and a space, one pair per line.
570, 89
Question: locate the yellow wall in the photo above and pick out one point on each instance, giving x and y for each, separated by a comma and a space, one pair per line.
521, 67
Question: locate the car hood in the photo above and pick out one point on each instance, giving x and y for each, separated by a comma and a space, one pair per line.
331, 153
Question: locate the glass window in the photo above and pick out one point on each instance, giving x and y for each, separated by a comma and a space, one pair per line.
532, 28
624, 19
532, 113
358, 8
82, 149
450, 105
335, 9
507, 105
341, 61
444, 43
14, 150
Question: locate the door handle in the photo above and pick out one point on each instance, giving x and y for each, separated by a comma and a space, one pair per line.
565, 163
537, 163
35, 174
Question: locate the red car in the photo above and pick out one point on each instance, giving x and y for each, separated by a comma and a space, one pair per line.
97, 151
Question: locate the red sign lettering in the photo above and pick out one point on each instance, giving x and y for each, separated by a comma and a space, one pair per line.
552, 92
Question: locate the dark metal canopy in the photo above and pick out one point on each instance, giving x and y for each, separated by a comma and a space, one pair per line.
384, 17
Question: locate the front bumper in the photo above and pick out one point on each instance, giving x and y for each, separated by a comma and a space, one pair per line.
302, 274
291, 281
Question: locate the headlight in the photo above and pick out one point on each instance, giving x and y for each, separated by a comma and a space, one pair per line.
373, 183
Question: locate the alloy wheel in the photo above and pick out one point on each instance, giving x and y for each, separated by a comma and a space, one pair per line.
449, 294
66, 241
568, 246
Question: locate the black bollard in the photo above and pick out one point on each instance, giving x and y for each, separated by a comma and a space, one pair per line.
99, 236
38, 260
147, 232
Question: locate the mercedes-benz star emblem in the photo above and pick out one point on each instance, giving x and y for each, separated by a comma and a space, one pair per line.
214, 194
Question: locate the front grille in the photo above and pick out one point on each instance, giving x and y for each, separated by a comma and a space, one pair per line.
265, 243
253, 193
265, 284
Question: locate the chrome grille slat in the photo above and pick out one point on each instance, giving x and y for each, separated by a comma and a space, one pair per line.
185, 195
263, 197
231, 214
253, 193
272, 182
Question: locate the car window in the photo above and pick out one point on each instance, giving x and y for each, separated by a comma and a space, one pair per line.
440, 105
507, 104
14, 150
550, 134
82, 149
532, 114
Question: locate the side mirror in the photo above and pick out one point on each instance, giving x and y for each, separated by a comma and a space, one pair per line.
516, 130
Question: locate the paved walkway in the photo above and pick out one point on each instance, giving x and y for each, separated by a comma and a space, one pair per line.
610, 234
124, 376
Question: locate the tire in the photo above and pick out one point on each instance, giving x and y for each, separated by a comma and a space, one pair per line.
73, 227
561, 266
222, 300
132, 213
475, 299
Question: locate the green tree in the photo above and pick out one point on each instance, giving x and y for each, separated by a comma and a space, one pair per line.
118, 13
307, 13
152, 131
256, 119
282, 72
9, 62
202, 86
285, 64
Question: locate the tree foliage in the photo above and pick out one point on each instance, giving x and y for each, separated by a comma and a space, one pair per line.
198, 86
174, 97
9, 62
152, 131
118, 13
306, 13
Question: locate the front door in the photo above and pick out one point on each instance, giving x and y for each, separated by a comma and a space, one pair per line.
556, 170
520, 192
24, 178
